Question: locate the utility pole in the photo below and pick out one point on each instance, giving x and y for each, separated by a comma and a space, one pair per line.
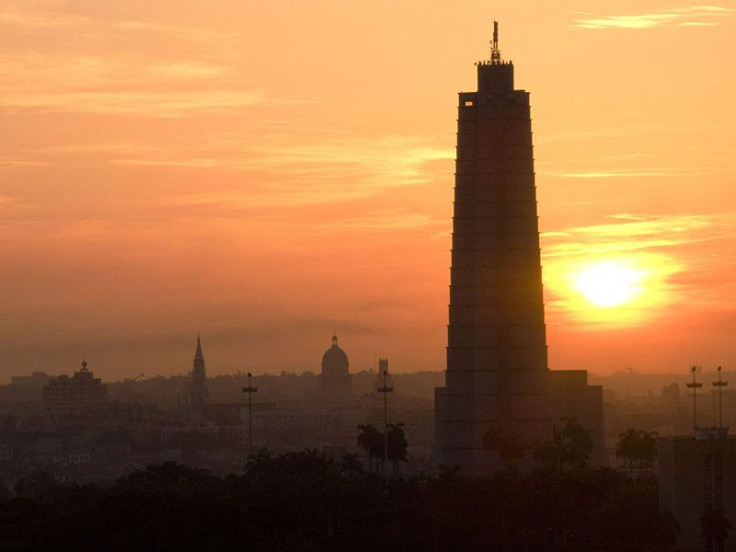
385, 389
250, 390
695, 385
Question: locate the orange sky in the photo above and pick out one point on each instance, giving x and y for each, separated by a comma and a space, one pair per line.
268, 173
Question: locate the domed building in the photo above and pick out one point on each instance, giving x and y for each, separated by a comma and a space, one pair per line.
335, 380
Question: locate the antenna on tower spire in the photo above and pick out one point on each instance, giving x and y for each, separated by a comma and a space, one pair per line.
495, 52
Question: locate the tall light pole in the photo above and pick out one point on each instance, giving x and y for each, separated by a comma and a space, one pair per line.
720, 384
250, 390
385, 389
695, 385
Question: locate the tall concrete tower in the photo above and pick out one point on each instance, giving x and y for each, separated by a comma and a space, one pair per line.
496, 379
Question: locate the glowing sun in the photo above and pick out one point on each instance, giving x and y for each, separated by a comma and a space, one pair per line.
609, 284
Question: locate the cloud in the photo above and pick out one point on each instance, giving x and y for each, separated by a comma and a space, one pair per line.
29, 19
116, 67
20, 162
637, 232
312, 168
689, 16
626, 174
192, 34
51, 82
152, 104
389, 220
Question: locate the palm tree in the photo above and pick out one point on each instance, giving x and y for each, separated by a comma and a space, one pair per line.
637, 448
628, 447
397, 445
575, 443
258, 464
371, 441
648, 448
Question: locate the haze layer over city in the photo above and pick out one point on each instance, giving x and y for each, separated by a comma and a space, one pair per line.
268, 175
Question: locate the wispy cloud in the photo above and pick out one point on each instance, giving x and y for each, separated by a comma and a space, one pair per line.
636, 232
309, 169
389, 220
152, 104
192, 34
20, 162
42, 83
30, 19
626, 174
129, 67
688, 16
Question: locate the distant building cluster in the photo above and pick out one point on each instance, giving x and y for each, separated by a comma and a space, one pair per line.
78, 428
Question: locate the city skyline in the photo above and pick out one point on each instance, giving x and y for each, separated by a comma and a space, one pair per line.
269, 176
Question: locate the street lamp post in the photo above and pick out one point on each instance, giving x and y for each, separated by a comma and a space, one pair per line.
250, 390
385, 389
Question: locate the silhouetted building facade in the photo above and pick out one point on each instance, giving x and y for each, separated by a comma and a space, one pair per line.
496, 376
80, 397
335, 380
572, 397
697, 478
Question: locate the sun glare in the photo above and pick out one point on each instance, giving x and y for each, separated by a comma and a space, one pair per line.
609, 284
609, 291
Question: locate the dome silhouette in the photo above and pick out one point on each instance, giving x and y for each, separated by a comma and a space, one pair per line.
335, 379
335, 361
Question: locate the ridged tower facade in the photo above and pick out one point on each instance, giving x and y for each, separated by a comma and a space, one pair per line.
496, 379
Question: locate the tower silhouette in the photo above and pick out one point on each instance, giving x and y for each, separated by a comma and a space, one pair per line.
496, 378
198, 394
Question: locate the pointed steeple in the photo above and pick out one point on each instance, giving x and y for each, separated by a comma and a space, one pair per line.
198, 353
199, 394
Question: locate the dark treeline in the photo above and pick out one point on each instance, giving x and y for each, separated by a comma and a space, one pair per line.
308, 502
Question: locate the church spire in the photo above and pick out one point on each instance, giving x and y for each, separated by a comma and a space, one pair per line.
198, 393
198, 352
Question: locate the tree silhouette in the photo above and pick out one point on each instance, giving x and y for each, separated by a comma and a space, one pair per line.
575, 443
351, 466
304, 502
40, 486
509, 446
637, 448
570, 447
397, 445
714, 528
371, 441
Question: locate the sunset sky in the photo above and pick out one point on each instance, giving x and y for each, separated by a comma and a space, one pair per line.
270, 173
